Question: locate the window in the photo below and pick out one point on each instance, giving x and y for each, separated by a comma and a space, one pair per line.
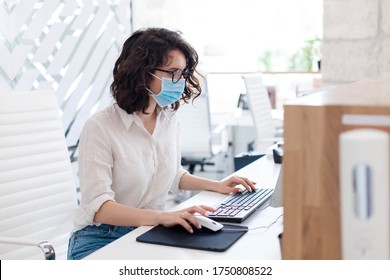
239, 35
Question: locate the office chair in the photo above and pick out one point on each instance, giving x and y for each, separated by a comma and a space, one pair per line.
200, 143
261, 111
37, 187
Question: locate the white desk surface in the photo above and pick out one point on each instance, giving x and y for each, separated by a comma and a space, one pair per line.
255, 244
244, 117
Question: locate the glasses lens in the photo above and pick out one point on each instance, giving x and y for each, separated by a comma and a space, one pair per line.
186, 73
176, 75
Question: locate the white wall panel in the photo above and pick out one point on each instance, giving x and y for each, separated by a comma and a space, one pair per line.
66, 45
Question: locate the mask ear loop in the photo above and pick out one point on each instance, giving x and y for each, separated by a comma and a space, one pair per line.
155, 76
151, 92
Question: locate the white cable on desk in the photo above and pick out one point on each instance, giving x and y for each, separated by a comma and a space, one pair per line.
244, 230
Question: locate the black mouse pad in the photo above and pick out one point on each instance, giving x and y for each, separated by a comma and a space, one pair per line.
201, 239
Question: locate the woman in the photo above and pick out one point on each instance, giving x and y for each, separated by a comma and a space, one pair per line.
129, 153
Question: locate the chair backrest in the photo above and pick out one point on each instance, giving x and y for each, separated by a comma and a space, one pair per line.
195, 127
261, 110
37, 188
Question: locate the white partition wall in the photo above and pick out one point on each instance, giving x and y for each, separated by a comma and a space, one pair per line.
66, 45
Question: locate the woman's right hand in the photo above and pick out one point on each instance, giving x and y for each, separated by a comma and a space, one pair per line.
184, 217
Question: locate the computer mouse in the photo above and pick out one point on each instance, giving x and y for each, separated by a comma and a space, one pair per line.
208, 223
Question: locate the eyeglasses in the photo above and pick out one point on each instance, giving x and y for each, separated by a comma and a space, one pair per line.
177, 74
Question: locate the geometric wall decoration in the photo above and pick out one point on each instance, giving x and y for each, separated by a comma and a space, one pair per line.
67, 45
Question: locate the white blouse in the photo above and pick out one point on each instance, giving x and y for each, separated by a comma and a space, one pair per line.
120, 161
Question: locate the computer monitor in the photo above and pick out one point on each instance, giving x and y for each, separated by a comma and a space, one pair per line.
276, 199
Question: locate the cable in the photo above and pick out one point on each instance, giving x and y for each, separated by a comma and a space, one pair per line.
264, 207
268, 226
248, 229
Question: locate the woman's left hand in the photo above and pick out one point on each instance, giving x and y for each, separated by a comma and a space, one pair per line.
230, 184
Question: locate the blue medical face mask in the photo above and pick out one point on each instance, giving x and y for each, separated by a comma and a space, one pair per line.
170, 91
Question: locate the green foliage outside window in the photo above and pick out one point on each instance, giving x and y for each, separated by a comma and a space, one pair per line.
303, 59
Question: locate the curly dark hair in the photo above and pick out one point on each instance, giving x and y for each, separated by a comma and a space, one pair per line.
142, 52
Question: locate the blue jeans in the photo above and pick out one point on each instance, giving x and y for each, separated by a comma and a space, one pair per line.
87, 240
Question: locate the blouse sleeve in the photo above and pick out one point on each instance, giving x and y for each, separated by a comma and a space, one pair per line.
95, 169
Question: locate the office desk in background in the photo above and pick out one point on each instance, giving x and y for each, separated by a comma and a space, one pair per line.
241, 117
259, 243
241, 127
